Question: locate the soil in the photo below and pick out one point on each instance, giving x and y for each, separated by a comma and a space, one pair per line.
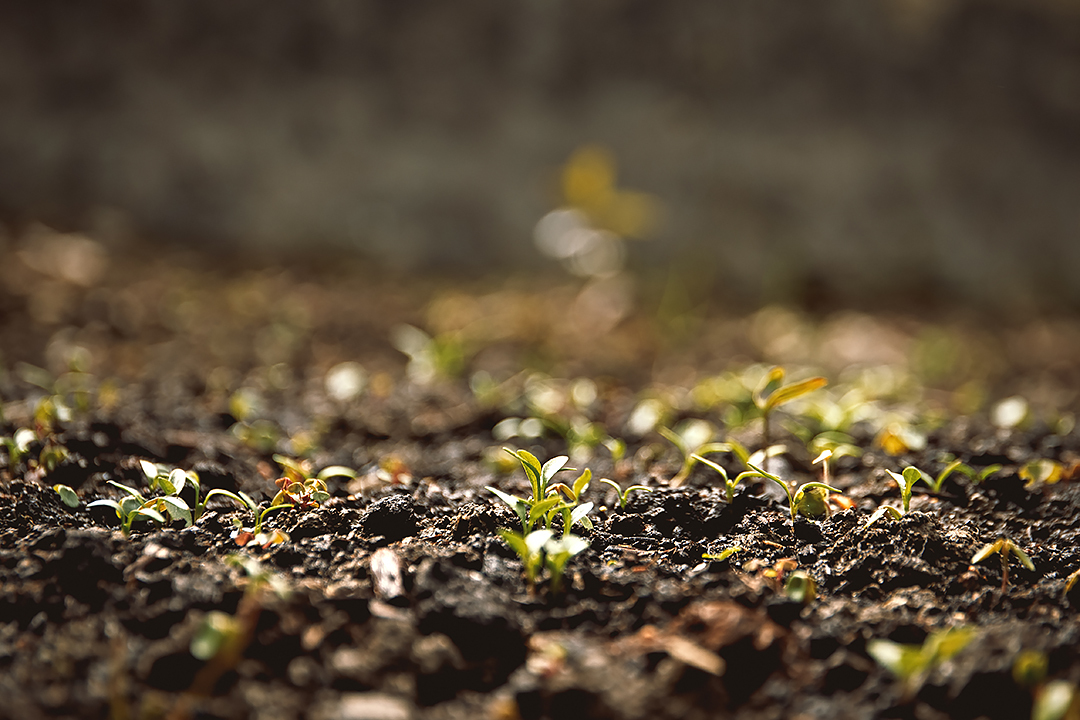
396, 598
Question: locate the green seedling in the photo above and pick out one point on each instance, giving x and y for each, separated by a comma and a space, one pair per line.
730, 485
975, 476
18, 445
542, 547
722, 555
771, 393
573, 511
1003, 547
690, 454
624, 495
558, 552
67, 495
222, 639
907, 480
530, 548
133, 506
912, 664
18, 448
299, 487
546, 502
841, 444
810, 500
1042, 471
800, 587
173, 481
615, 446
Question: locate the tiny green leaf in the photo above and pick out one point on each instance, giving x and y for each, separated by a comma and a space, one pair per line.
67, 495
336, 471
177, 509
129, 490
149, 469
790, 392
722, 555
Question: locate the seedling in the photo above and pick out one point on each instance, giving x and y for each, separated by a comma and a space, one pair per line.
134, 506
559, 551
913, 663
221, 639
771, 394
67, 495
1042, 471
298, 486
722, 555
841, 444
1003, 546
18, 445
975, 476
540, 548
907, 480
530, 548
624, 495
800, 587
810, 500
690, 454
546, 502
173, 481
730, 484
18, 448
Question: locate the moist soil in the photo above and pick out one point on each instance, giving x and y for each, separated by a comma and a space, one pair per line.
396, 598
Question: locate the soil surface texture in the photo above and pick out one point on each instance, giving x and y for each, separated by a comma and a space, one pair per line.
396, 598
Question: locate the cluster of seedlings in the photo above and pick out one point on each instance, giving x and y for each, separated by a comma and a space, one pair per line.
553, 509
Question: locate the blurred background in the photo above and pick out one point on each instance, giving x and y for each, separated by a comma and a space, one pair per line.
911, 152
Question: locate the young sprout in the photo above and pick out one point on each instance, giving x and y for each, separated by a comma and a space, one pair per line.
913, 663
623, 495
546, 502
800, 587
172, 483
692, 454
559, 551
67, 495
1042, 471
572, 512
841, 444
131, 507
810, 500
722, 555
298, 486
907, 480
975, 476
771, 394
1003, 546
18, 445
823, 459
530, 548
730, 485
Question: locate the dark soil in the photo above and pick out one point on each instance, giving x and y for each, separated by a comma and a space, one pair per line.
402, 601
